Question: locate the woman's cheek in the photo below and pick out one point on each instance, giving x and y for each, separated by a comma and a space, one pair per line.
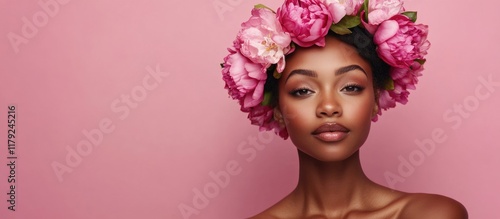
293, 114
291, 108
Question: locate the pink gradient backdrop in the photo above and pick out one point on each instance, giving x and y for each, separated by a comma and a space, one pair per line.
72, 74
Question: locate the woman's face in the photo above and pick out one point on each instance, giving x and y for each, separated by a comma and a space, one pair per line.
327, 100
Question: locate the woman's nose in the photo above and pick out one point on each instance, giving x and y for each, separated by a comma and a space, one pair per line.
328, 106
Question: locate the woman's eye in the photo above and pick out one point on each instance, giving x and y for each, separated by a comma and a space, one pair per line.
301, 92
352, 88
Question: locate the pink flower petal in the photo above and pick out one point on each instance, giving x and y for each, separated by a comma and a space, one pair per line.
385, 54
307, 21
385, 31
338, 11
369, 27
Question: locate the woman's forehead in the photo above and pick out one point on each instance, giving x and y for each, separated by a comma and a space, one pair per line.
336, 54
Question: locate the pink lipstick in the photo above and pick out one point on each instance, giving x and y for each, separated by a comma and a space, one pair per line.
331, 132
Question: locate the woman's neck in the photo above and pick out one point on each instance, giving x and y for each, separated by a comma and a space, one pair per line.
331, 187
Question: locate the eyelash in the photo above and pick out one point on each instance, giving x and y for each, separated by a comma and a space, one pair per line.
297, 92
357, 88
349, 88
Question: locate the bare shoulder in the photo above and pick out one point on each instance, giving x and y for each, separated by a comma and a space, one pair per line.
271, 213
264, 215
282, 209
421, 205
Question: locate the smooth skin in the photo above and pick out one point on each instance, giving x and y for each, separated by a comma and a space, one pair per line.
334, 84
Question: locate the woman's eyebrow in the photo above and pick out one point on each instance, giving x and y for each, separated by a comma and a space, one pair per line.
305, 72
312, 73
349, 68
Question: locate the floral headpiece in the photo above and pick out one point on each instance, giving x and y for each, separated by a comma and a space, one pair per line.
268, 36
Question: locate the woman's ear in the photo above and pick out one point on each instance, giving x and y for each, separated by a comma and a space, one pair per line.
375, 110
278, 116
376, 107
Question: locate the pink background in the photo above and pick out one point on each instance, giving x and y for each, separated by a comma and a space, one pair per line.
157, 152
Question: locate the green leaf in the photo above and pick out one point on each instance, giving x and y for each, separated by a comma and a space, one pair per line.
261, 6
342, 27
267, 99
340, 30
412, 15
389, 85
421, 61
277, 75
349, 21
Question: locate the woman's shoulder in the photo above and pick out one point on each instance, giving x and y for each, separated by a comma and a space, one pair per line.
422, 205
274, 212
282, 209
400, 205
264, 215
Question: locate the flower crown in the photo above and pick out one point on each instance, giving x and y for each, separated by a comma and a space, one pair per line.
267, 37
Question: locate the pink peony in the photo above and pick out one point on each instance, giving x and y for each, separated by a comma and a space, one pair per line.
407, 77
307, 21
385, 101
244, 79
371, 28
263, 40
381, 10
404, 79
400, 41
341, 8
262, 116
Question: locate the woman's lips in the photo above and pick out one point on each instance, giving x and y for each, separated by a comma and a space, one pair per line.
331, 132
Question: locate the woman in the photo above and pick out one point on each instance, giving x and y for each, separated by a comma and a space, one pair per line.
320, 72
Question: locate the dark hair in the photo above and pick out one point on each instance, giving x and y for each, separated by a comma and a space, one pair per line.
366, 48
362, 41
